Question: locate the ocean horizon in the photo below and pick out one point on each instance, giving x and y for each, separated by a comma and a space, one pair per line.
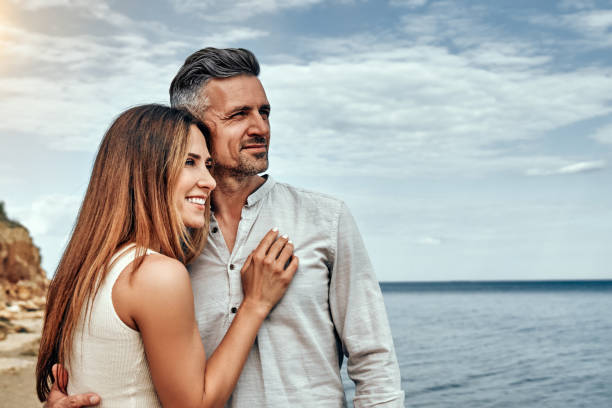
528, 344
497, 285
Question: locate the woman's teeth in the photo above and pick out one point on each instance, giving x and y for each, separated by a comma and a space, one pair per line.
196, 200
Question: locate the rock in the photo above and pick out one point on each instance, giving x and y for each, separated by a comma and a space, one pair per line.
29, 306
5, 329
30, 348
3, 297
23, 282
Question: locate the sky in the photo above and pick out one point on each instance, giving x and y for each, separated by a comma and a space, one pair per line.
472, 140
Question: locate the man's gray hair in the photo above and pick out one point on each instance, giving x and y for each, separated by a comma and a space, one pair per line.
204, 65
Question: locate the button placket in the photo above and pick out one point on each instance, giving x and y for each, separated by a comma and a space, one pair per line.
247, 219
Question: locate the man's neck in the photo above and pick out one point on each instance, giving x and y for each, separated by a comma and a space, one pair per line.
231, 193
228, 198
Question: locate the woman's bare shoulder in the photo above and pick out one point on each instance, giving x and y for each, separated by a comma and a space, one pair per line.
161, 274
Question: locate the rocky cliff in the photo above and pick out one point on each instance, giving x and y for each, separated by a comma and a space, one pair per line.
23, 282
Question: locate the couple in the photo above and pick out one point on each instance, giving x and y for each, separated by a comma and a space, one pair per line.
120, 314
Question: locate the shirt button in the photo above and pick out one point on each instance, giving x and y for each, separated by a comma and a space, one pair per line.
214, 230
234, 309
232, 267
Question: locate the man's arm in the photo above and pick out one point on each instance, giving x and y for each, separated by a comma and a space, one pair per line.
360, 319
57, 399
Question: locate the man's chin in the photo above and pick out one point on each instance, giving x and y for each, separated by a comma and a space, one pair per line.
253, 168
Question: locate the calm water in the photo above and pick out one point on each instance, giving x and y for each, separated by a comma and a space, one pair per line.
503, 345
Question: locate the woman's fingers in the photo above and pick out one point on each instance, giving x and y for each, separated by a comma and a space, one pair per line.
291, 268
276, 249
266, 242
247, 263
285, 255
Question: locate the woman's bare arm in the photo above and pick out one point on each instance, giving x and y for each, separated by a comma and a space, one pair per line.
161, 306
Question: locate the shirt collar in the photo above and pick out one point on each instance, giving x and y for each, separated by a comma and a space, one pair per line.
262, 191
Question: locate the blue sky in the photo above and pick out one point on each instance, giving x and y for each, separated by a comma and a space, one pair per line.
471, 139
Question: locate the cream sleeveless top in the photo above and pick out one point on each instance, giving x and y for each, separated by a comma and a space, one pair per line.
108, 356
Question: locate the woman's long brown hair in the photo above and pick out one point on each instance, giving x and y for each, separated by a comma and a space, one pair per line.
129, 200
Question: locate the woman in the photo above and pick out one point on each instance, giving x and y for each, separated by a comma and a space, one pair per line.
120, 312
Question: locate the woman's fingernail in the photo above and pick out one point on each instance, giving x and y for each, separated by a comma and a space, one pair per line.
285, 236
94, 400
290, 242
275, 229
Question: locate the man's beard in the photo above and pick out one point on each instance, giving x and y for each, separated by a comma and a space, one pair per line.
246, 167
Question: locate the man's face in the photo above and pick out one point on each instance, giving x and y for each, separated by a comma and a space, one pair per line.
237, 116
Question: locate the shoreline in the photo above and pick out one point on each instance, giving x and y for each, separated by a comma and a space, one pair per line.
18, 353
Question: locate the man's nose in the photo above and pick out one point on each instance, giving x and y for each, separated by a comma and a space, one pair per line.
259, 125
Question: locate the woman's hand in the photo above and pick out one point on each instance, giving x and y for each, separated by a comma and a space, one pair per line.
268, 271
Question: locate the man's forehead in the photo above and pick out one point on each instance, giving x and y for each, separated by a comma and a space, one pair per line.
242, 90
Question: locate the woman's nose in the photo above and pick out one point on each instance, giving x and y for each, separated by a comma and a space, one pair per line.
207, 181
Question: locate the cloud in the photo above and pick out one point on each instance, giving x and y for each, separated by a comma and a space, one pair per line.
408, 3
603, 134
429, 241
50, 219
597, 21
233, 35
85, 81
592, 25
406, 110
92, 9
574, 168
214, 11
576, 4
41, 4
49, 214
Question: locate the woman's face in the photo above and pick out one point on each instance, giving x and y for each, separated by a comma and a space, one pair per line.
194, 183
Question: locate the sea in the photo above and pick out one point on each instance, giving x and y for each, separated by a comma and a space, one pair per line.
502, 344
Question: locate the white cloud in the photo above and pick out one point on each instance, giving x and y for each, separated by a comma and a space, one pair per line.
50, 219
597, 21
395, 108
50, 214
40, 4
409, 3
603, 134
407, 110
95, 9
574, 168
233, 35
85, 82
429, 241
592, 25
576, 4
212, 10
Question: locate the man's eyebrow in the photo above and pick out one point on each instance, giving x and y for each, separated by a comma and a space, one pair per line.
240, 108
248, 108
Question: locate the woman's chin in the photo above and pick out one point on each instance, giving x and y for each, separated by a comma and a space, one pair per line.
194, 224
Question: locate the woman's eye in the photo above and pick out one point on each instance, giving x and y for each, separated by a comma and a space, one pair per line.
189, 162
209, 164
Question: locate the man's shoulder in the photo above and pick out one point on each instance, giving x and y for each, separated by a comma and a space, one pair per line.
306, 196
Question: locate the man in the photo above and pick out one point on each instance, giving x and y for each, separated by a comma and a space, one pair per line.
332, 308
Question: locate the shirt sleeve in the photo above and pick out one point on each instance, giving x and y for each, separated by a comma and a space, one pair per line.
360, 318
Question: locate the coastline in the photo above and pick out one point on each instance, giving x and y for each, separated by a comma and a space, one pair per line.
18, 353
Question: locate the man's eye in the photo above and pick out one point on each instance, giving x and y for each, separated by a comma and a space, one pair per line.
238, 114
265, 114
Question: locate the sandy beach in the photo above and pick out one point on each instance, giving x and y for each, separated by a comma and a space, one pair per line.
17, 362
